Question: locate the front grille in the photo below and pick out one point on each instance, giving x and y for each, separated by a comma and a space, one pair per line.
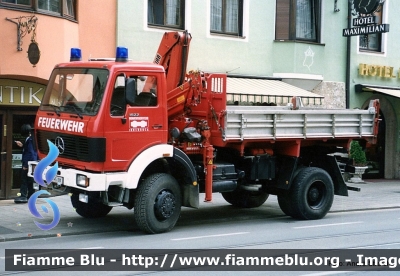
75, 147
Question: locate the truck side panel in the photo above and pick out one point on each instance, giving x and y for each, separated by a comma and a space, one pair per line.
265, 122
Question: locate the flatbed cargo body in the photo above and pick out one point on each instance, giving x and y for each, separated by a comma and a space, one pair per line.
277, 123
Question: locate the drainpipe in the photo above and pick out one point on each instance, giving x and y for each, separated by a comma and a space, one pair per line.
348, 57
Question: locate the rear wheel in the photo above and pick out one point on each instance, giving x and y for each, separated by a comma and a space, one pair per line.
157, 203
310, 196
92, 209
245, 199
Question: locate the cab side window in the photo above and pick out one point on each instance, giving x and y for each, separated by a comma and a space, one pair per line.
146, 91
118, 103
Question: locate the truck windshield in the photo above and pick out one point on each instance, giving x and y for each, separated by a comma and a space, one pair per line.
77, 90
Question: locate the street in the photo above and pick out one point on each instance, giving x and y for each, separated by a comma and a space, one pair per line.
220, 226
336, 231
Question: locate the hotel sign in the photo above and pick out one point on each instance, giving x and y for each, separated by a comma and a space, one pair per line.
374, 70
366, 23
369, 29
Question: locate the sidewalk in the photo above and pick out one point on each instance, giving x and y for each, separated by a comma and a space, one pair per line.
17, 222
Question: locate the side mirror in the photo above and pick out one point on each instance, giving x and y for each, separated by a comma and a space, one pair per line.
130, 91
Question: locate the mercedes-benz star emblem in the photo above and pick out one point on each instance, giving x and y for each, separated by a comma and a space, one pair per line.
59, 142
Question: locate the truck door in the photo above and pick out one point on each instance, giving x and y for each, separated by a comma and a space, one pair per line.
132, 128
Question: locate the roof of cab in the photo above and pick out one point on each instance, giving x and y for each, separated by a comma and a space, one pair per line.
113, 65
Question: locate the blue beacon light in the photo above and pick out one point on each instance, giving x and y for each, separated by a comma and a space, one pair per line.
122, 54
76, 54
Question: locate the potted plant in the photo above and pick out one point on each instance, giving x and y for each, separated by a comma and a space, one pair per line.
357, 154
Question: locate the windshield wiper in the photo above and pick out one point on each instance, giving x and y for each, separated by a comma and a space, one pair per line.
55, 107
75, 109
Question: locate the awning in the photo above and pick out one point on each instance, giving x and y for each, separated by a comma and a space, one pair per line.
387, 90
266, 91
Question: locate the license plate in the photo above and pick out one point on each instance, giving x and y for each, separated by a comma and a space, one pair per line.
59, 180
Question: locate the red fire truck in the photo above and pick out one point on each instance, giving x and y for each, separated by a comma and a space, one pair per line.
152, 137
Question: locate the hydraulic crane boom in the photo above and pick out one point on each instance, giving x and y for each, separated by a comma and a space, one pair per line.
172, 54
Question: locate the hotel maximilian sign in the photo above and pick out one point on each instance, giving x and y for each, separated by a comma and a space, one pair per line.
366, 22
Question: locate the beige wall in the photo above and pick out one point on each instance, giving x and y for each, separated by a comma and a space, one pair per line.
97, 28
94, 33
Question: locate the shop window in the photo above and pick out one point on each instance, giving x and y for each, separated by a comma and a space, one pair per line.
372, 42
298, 20
167, 13
66, 8
227, 17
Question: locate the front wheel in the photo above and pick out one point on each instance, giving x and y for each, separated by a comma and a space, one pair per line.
91, 209
310, 196
157, 203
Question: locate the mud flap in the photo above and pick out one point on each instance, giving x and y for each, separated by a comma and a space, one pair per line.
190, 189
330, 164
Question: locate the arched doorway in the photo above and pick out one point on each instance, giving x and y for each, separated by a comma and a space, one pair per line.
376, 153
382, 157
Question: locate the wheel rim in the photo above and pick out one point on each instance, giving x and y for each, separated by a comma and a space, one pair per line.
316, 195
164, 206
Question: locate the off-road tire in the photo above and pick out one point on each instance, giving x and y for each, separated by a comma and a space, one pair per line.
157, 203
311, 194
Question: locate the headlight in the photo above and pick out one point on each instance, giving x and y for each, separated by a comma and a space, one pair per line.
82, 180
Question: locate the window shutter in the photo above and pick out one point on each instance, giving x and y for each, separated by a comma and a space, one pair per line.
282, 23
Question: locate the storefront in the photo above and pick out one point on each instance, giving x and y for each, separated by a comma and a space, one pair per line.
383, 156
19, 101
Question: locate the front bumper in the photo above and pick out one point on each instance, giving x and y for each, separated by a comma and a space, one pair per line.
72, 178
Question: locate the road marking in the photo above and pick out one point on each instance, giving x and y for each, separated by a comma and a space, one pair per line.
327, 225
209, 236
376, 245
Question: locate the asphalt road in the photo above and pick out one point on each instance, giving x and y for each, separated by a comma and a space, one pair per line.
372, 229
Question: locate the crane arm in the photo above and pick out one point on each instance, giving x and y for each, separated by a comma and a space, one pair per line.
172, 54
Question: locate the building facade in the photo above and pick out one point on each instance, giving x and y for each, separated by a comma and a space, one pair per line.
36, 35
300, 42
374, 74
247, 37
